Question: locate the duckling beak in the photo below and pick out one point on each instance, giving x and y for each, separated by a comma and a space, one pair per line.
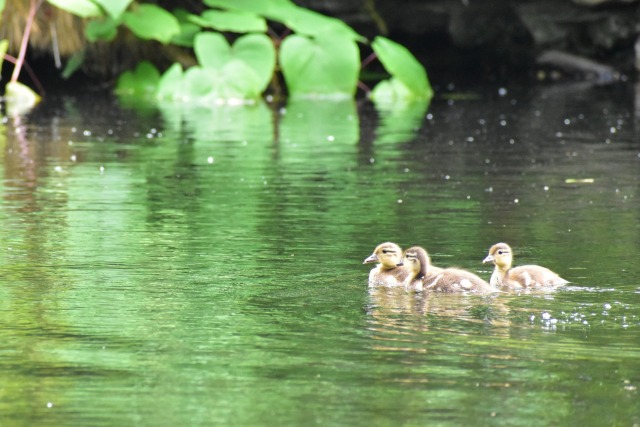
489, 258
400, 264
371, 258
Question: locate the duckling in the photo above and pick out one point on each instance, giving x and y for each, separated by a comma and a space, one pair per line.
390, 271
420, 277
524, 276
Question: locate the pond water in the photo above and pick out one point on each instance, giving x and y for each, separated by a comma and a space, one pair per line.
204, 266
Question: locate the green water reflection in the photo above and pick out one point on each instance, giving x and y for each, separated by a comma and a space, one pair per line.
203, 267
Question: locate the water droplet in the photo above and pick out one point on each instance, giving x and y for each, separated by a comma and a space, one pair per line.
502, 91
49, 404
210, 160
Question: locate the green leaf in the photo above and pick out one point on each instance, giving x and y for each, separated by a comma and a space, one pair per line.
259, 7
171, 83
2, 4
402, 65
314, 24
105, 28
188, 29
115, 8
149, 21
234, 21
81, 8
143, 80
19, 98
75, 62
212, 50
390, 91
256, 51
298, 19
320, 67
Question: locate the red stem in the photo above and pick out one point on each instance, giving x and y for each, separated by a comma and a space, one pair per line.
33, 8
29, 71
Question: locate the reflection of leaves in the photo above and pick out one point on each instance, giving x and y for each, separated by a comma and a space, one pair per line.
221, 122
399, 122
317, 122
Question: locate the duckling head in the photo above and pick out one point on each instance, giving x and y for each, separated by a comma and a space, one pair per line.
416, 260
501, 255
388, 254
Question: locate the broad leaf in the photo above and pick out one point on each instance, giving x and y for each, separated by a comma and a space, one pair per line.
149, 21
19, 98
105, 28
212, 50
266, 8
81, 8
298, 19
402, 65
314, 24
320, 67
75, 61
188, 29
171, 83
141, 81
234, 21
115, 8
256, 51
234, 82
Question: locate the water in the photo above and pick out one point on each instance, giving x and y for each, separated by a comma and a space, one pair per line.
203, 267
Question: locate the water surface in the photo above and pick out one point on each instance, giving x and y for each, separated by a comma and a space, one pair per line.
203, 266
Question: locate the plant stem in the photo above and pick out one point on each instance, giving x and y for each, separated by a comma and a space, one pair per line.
29, 71
33, 8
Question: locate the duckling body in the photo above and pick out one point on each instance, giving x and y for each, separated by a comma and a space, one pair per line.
421, 278
387, 272
521, 277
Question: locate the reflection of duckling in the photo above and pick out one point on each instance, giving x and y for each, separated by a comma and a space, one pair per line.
387, 273
524, 276
416, 262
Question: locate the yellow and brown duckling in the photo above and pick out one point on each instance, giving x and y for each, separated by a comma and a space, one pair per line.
524, 276
421, 278
387, 272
